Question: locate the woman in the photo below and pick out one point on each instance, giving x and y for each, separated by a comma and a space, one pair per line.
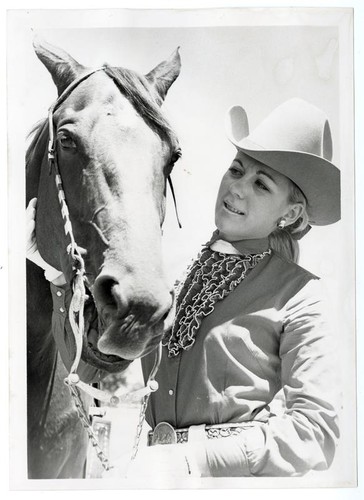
249, 321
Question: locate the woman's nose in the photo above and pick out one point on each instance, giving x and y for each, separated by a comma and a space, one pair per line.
239, 188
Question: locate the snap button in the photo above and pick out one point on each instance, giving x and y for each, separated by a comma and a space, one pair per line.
61, 309
171, 392
59, 294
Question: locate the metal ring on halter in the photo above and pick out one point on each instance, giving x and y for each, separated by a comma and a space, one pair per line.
72, 249
152, 383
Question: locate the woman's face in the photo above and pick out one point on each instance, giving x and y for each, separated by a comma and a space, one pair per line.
251, 200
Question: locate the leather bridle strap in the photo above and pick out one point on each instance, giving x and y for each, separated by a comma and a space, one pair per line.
52, 108
174, 201
79, 292
53, 163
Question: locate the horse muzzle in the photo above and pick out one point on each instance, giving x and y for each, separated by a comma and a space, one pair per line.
132, 318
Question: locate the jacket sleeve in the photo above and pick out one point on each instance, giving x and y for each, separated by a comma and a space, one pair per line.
63, 335
304, 437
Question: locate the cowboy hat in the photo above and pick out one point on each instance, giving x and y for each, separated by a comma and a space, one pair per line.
295, 140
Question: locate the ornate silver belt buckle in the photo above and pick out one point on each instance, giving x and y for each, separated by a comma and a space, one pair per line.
164, 434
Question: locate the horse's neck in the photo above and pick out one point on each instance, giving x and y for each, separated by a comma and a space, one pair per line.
53, 425
40, 344
39, 319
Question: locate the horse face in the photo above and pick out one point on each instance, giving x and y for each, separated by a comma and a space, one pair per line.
113, 163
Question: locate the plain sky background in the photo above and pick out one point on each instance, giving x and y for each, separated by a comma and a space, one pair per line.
258, 64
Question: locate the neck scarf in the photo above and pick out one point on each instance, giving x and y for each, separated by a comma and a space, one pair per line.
211, 277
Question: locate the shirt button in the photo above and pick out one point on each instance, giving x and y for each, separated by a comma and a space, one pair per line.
171, 392
59, 294
61, 309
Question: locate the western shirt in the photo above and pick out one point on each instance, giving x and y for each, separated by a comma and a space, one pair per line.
268, 334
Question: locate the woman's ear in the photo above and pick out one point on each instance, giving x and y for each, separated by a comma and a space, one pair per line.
293, 213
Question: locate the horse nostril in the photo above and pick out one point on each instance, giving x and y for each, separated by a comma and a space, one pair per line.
103, 292
116, 301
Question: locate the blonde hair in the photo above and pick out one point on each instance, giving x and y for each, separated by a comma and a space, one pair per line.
283, 241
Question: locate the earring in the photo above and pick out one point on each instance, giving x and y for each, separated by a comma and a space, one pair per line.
281, 223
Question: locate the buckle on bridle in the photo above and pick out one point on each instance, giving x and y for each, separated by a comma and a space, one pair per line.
51, 155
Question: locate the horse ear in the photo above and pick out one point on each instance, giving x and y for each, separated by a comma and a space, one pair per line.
163, 75
62, 67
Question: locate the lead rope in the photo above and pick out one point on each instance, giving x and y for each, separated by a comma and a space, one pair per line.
153, 386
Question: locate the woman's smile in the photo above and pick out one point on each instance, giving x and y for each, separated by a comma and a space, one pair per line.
232, 209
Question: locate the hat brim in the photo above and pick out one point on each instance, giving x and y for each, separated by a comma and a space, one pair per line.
317, 178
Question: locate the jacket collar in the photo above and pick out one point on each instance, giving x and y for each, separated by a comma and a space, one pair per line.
243, 247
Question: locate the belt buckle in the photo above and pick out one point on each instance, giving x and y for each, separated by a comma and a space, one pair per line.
164, 433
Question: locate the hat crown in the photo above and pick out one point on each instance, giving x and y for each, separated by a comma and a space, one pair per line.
295, 125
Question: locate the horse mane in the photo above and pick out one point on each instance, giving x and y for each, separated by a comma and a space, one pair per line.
38, 137
37, 133
137, 90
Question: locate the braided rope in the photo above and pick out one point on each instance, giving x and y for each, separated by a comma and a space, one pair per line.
76, 309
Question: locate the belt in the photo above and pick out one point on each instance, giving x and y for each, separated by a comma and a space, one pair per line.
164, 433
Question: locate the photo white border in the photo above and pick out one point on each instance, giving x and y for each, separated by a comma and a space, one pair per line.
358, 20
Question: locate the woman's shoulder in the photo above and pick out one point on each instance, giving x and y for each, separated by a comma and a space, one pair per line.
295, 283
280, 261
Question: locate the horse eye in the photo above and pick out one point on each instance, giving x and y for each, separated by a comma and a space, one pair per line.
66, 141
176, 156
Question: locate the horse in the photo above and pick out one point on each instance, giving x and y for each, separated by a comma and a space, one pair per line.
115, 151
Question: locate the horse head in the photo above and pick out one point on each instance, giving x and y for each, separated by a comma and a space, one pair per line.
114, 151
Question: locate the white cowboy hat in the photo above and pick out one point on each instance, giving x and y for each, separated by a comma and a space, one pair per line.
295, 140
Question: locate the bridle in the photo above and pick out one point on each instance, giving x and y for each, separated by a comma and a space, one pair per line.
76, 310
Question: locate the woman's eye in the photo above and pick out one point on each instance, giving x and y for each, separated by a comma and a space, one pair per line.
235, 171
261, 185
66, 141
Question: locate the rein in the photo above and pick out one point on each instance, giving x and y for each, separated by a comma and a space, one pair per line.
76, 310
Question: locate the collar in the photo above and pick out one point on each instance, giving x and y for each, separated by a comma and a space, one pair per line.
242, 247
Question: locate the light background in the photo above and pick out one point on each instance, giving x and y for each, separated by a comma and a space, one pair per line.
257, 67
